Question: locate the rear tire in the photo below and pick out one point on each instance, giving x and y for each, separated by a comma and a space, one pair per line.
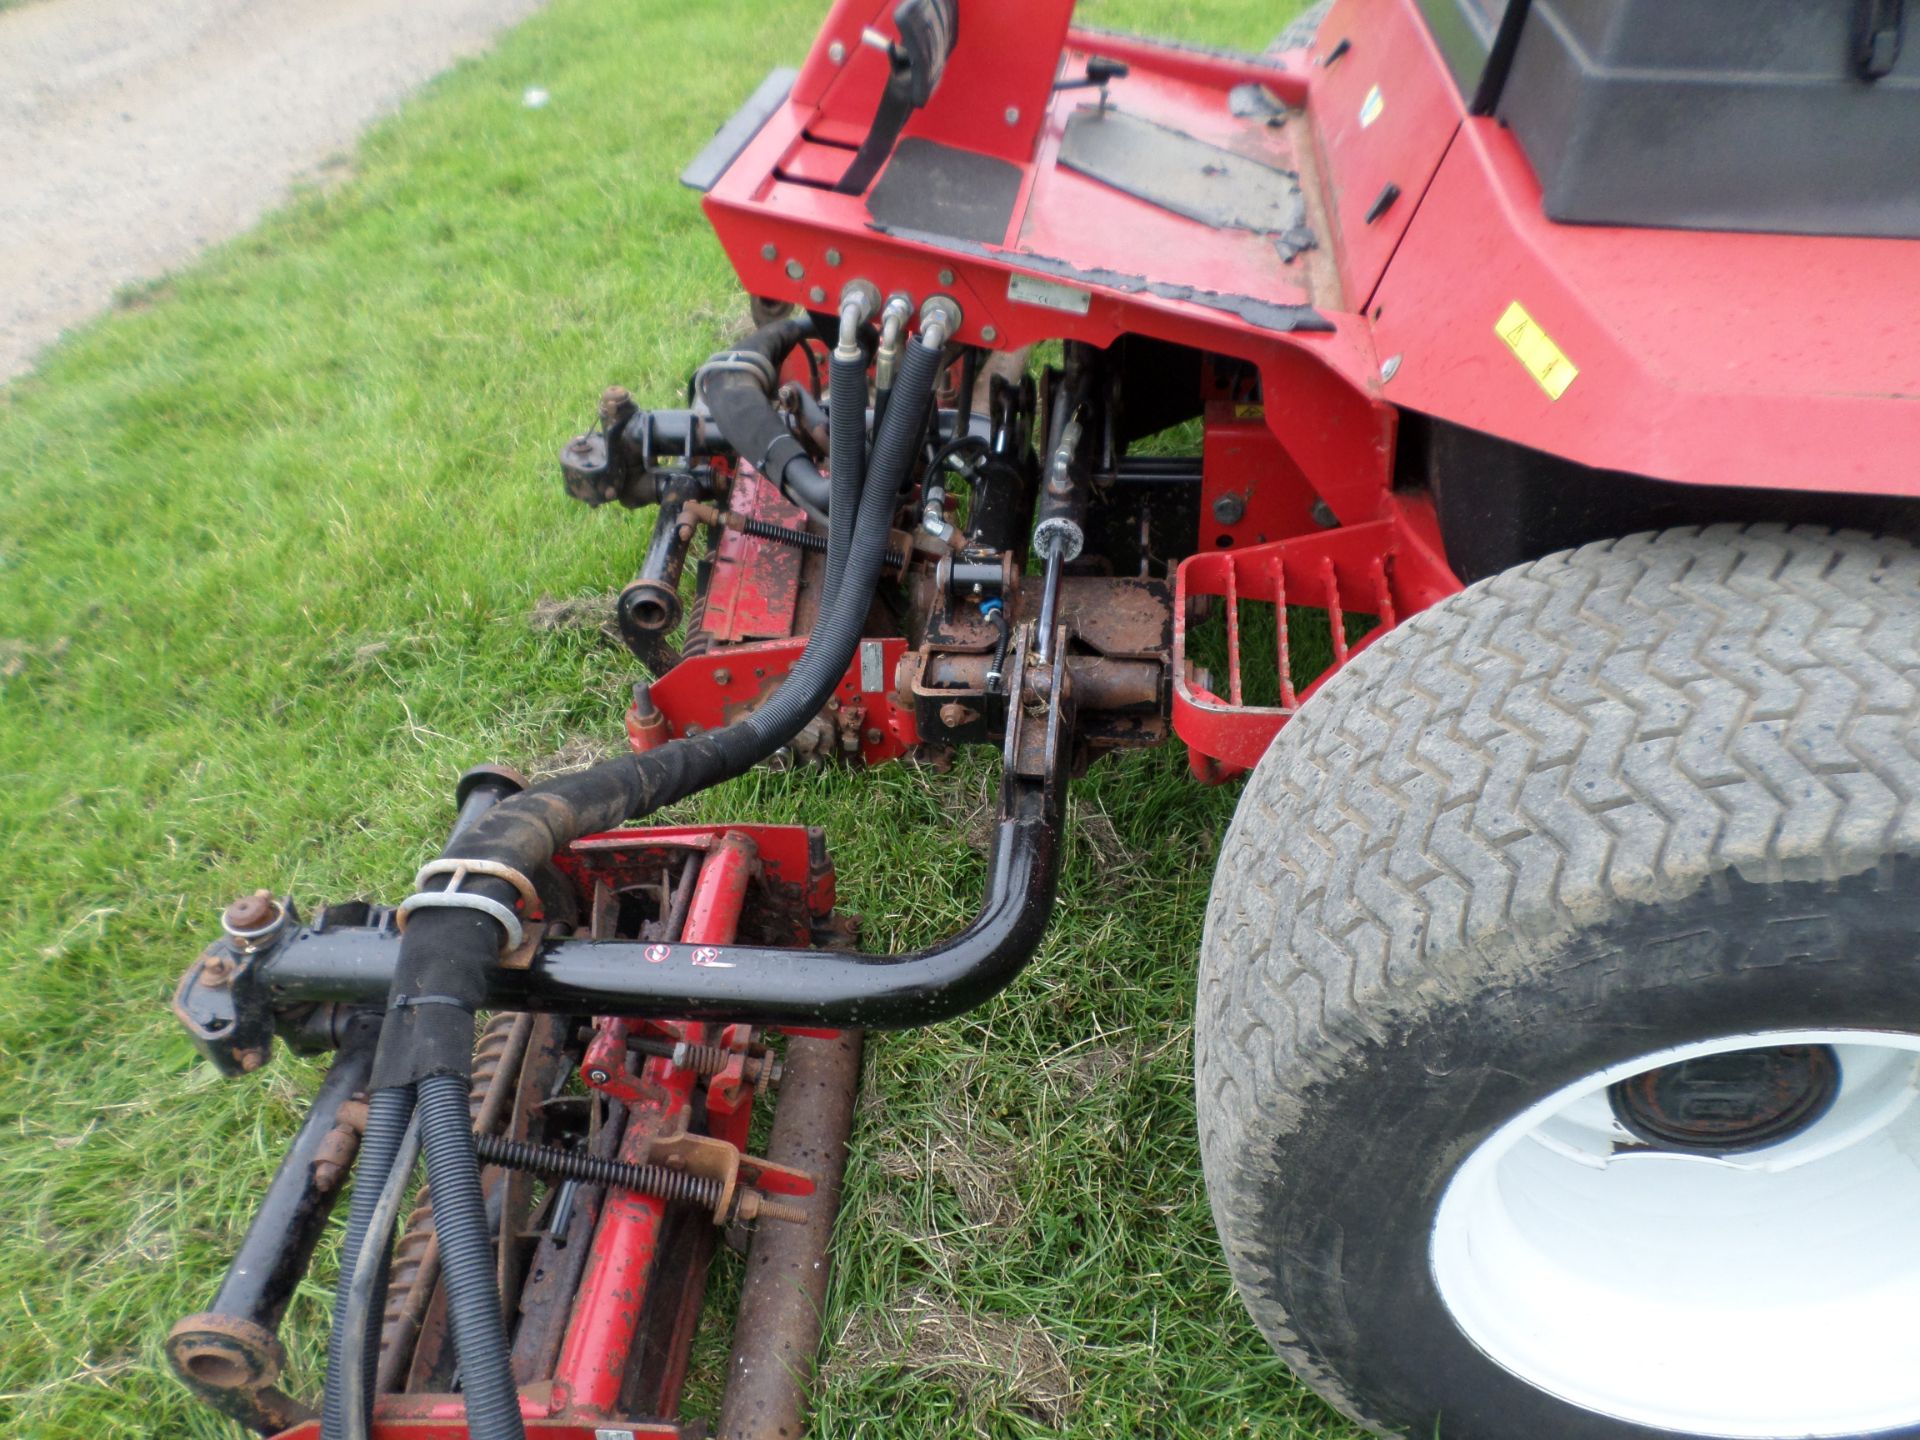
1595, 817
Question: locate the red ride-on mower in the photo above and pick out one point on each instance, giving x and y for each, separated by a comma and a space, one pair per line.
1537, 393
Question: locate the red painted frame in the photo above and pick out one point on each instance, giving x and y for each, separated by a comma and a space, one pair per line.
581, 1400
1711, 359
613, 1292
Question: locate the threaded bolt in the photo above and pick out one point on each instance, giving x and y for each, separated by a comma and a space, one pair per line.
707, 1060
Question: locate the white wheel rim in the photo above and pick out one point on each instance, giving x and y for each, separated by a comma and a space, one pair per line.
1766, 1294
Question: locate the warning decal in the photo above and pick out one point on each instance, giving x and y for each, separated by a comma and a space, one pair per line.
1545, 361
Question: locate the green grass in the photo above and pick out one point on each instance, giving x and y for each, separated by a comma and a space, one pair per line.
269, 536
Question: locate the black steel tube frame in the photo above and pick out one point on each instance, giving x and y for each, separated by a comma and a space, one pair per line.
760, 984
766, 985
293, 1213
649, 607
228, 1354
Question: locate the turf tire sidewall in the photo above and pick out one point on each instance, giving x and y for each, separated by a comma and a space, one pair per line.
1653, 791
1351, 1210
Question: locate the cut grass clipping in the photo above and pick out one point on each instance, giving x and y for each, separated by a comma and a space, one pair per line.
271, 543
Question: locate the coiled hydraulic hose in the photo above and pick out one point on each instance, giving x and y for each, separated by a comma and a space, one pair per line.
365, 1281
466, 1259
426, 1042
388, 1112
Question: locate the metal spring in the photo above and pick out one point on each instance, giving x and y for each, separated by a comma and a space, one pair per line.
761, 1070
802, 539
700, 1059
673, 1186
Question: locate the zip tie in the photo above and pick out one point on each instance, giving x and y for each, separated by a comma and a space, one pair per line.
405, 1002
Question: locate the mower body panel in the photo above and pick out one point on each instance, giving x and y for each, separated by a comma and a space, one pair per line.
1775, 361
1708, 358
1404, 264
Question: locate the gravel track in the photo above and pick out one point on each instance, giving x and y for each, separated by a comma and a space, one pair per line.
137, 134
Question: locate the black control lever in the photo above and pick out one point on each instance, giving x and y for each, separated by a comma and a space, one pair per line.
927, 29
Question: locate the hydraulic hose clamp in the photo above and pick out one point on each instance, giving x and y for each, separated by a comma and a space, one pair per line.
737, 362
454, 898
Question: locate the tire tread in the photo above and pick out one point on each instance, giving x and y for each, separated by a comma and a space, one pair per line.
1606, 727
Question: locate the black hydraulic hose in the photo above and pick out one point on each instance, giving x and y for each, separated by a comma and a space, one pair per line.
367, 1296
441, 975
388, 1112
846, 456
445, 952
953, 449
837, 631
737, 385
527, 829
466, 1260
759, 984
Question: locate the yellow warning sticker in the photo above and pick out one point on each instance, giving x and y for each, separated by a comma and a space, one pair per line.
1243, 411
1545, 361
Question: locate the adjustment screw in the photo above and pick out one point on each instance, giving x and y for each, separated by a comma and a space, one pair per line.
613, 400
250, 912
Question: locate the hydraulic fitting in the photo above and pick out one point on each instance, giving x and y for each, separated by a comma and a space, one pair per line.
939, 319
893, 324
858, 300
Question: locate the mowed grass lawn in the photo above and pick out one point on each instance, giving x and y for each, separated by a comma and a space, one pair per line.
270, 537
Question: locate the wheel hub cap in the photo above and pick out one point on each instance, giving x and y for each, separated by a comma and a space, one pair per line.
1727, 1103
1631, 1243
